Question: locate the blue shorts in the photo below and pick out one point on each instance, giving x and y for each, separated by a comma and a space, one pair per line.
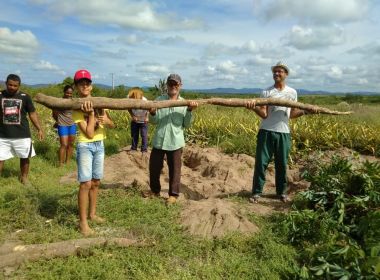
90, 161
67, 130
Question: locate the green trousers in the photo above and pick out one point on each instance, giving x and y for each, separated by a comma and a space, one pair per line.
269, 144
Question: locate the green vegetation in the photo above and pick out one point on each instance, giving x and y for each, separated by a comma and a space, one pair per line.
332, 233
47, 212
335, 223
235, 130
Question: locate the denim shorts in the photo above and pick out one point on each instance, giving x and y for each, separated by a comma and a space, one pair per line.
67, 130
90, 160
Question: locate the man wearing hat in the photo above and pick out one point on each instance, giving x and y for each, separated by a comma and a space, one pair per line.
168, 139
274, 137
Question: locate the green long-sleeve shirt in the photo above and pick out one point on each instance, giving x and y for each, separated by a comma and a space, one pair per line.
170, 125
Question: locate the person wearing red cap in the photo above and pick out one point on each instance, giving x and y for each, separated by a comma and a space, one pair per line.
15, 137
90, 151
274, 137
168, 140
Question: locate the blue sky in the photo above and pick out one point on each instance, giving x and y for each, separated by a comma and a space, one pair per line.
329, 45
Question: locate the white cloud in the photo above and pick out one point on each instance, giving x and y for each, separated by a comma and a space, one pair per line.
370, 49
186, 63
362, 81
304, 38
335, 73
131, 39
154, 68
217, 49
250, 46
227, 67
258, 60
118, 55
225, 71
17, 43
43, 65
247, 48
173, 40
125, 14
318, 11
297, 81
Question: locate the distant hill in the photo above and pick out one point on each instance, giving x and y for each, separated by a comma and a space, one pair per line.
102, 86
258, 90
229, 90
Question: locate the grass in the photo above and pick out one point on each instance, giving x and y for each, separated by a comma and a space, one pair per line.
47, 212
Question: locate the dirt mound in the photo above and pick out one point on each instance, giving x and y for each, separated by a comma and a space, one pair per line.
215, 218
209, 173
121, 169
208, 178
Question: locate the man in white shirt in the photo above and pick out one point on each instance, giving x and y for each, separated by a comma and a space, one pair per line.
274, 137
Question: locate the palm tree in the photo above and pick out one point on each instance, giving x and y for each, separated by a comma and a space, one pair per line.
161, 88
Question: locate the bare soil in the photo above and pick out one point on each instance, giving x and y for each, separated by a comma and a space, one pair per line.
210, 179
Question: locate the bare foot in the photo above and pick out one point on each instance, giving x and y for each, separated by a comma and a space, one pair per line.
97, 219
24, 181
85, 230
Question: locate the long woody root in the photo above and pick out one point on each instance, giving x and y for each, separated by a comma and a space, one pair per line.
24, 253
126, 103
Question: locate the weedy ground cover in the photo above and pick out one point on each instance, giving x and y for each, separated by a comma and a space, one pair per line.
47, 212
335, 223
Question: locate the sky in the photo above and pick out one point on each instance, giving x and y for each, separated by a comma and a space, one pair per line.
331, 45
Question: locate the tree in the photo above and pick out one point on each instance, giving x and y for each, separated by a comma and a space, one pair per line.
67, 81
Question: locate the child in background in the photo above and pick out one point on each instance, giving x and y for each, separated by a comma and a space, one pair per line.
90, 151
66, 129
139, 123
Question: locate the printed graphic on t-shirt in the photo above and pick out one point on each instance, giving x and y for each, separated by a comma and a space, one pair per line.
12, 111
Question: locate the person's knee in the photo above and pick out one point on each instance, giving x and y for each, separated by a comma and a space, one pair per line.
85, 185
64, 145
24, 161
95, 183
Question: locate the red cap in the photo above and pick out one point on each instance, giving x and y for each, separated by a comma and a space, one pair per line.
82, 74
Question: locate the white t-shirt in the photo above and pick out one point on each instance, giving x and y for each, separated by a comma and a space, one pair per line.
278, 116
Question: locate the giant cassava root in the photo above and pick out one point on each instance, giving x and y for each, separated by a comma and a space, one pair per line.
23, 253
126, 103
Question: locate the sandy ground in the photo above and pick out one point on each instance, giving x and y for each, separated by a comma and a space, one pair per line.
210, 179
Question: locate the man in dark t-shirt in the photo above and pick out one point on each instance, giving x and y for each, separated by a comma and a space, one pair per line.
15, 137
